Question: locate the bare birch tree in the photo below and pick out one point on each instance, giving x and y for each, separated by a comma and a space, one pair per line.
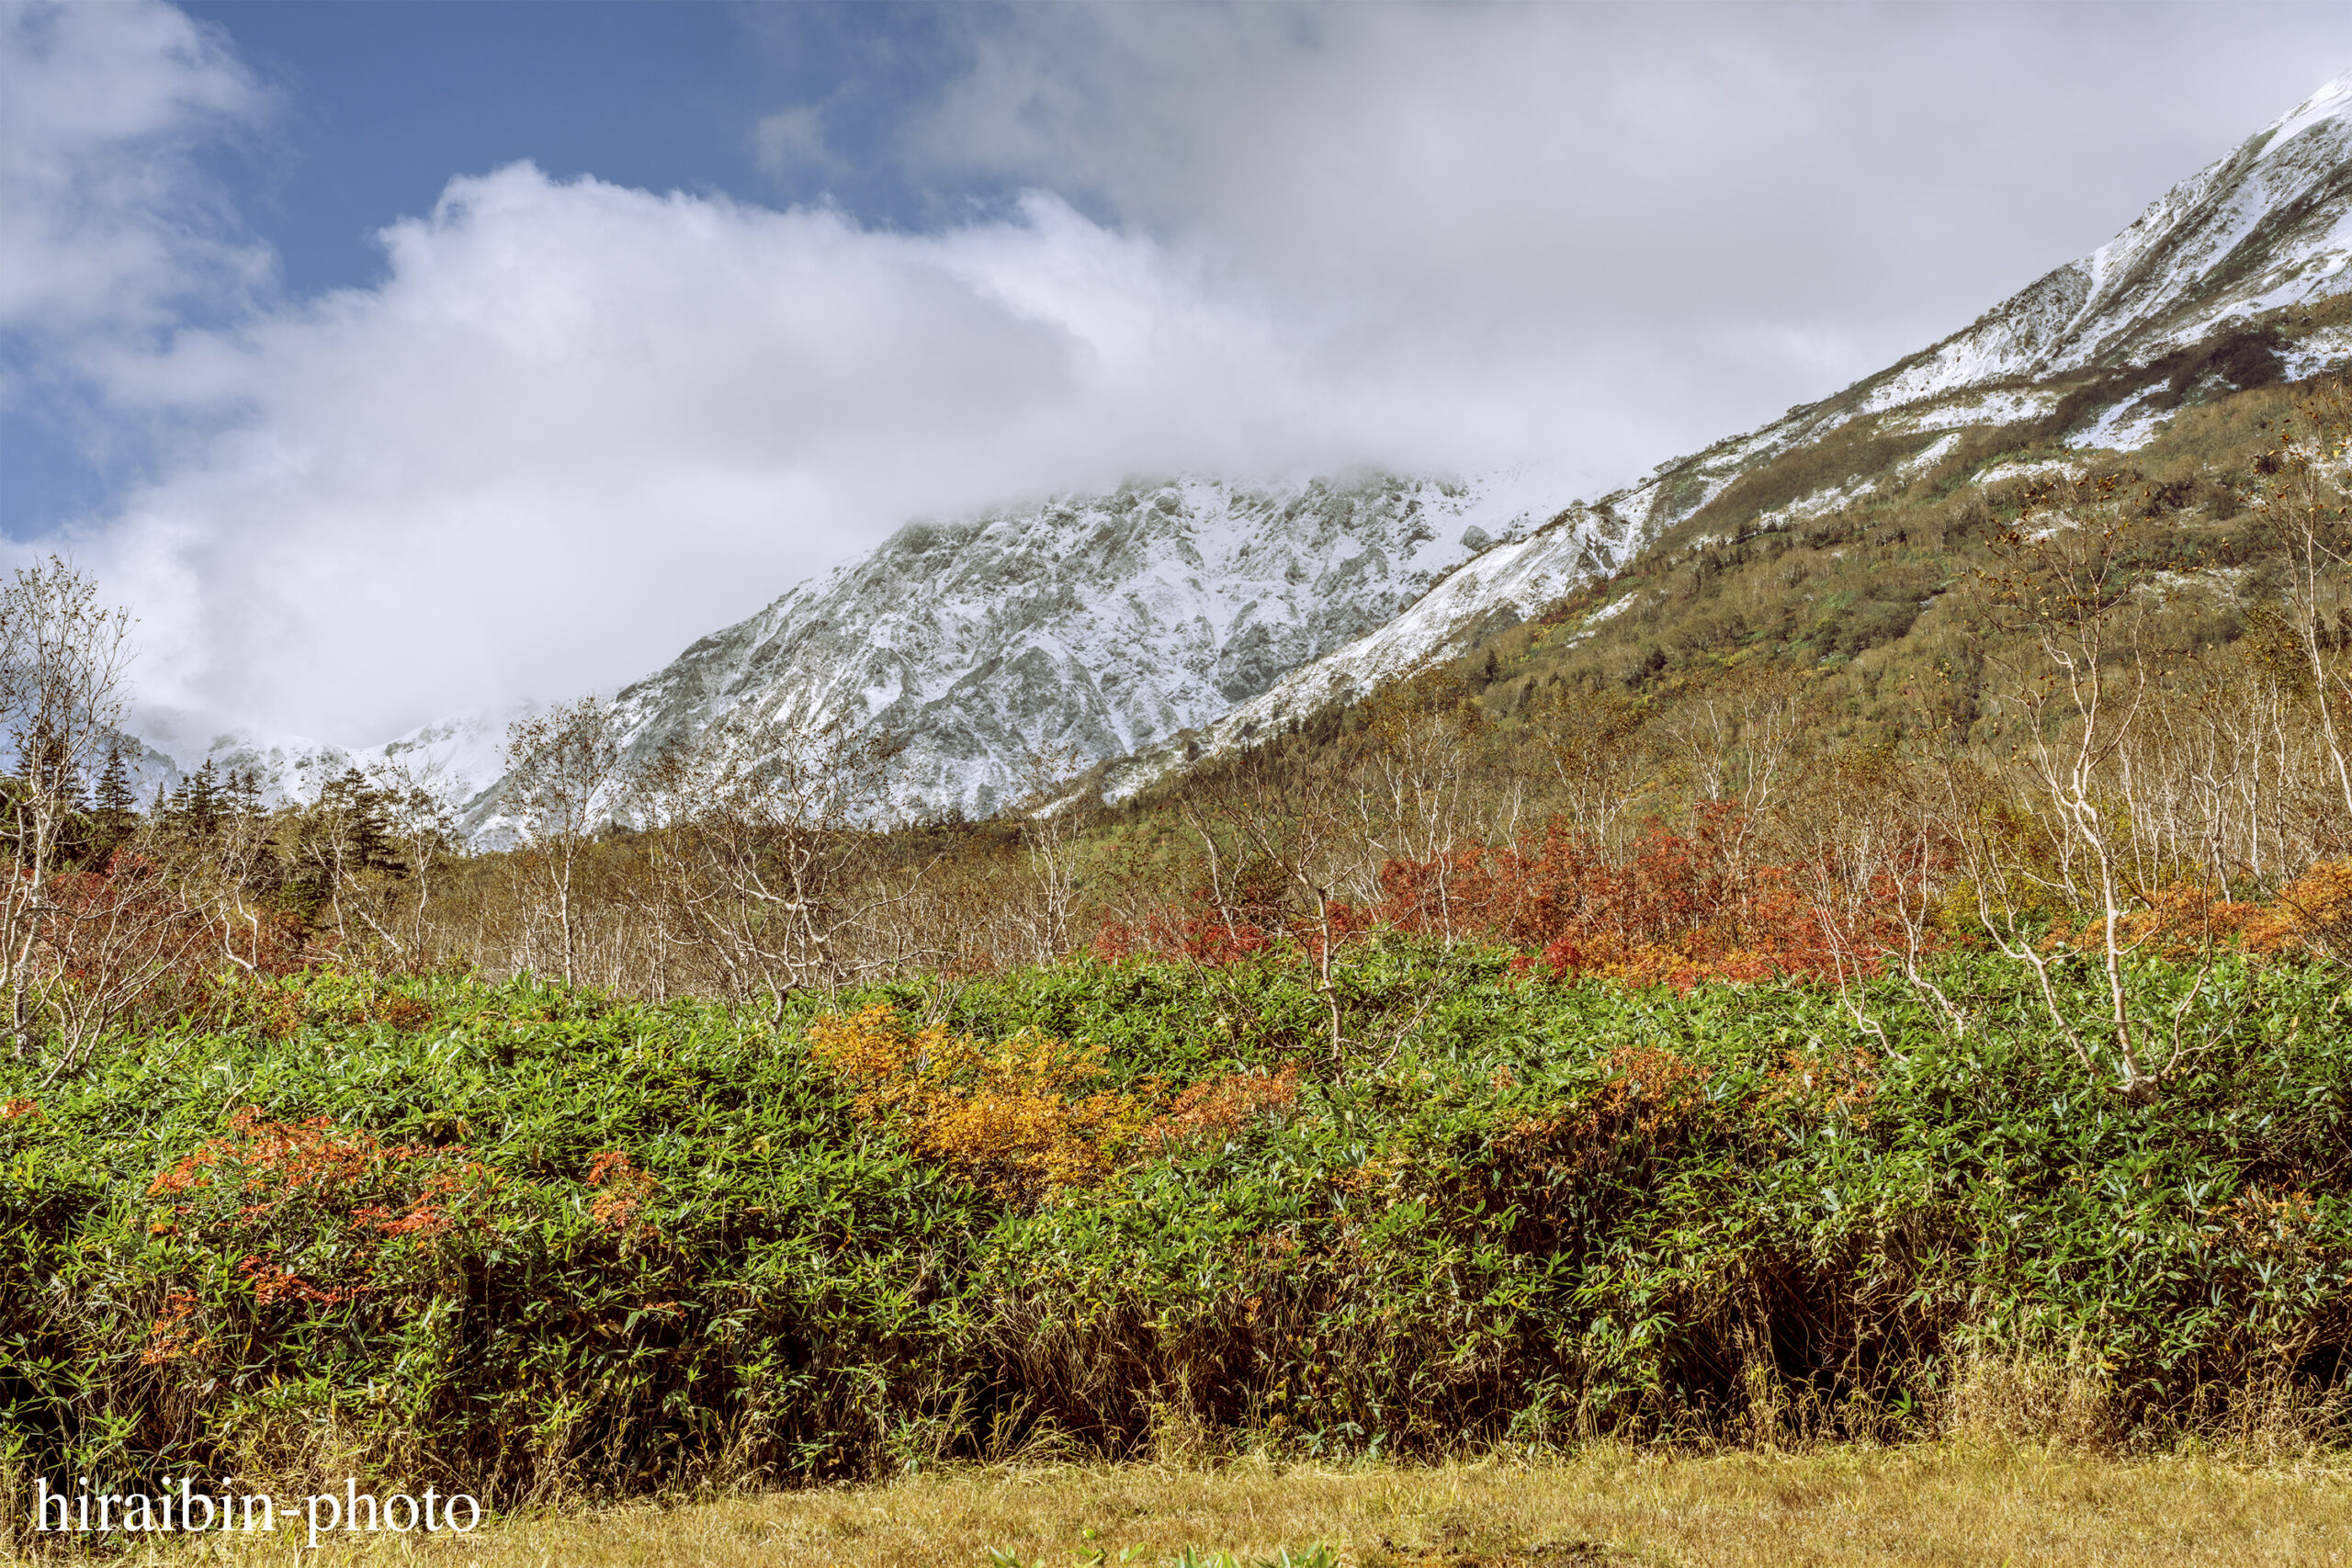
1296, 821
1413, 801
63, 657
2079, 584
1051, 812
764, 852
563, 774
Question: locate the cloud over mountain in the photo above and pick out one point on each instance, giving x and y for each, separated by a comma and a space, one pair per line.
576, 425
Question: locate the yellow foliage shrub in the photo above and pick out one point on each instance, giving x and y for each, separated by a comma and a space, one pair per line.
2315, 911
2310, 915
1010, 1115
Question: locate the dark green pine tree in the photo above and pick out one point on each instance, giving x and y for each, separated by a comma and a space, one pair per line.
355, 810
115, 798
113, 812
196, 804
241, 797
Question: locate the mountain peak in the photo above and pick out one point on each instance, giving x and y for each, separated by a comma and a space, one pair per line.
1086, 625
2331, 102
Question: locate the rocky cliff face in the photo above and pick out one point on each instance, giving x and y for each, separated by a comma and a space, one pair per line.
1089, 625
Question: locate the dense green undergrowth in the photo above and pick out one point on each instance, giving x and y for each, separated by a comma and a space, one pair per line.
520, 1239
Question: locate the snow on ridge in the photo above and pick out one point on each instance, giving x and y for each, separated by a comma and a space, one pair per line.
2176, 273
2048, 468
2333, 99
457, 758
1096, 624
1193, 605
1520, 577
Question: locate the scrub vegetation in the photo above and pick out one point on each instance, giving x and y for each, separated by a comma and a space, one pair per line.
1747, 1009
525, 1241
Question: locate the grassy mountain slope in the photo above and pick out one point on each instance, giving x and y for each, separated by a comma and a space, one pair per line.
1857, 562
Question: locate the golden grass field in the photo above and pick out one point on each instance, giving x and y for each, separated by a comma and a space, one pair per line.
1928, 1503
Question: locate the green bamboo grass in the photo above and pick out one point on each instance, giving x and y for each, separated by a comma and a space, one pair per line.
526, 1241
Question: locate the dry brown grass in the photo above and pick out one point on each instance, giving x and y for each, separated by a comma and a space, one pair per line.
1930, 1503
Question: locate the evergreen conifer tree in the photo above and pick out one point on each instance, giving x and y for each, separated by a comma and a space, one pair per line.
115, 798
196, 804
240, 796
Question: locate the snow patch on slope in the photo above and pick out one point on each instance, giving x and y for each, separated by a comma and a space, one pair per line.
2261, 227
2127, 426
2006, 406
2322, 350
1509, 582
1092, 627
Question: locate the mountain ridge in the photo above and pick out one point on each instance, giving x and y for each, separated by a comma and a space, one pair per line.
2263, 229
1143, 627
1086, 626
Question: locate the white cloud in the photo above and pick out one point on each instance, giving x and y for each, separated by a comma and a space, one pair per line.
578, 425
1672, 192
102, 110
792, 139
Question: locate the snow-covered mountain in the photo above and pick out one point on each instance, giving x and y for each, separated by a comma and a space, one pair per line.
2229, 260
1504, 583
458, 758
1172, 619
2236, 250
1088, 625
2265, 227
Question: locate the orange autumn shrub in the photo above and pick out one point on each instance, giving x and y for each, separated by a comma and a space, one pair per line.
1194, 930
1015, 1116
623, 1191
2313, 913
1675, 908
1212, 1113
311, 1206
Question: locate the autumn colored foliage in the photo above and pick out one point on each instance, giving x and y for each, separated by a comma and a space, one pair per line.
303, 1194
1677, 908
1018, 1116
570, 1242
1207, 1113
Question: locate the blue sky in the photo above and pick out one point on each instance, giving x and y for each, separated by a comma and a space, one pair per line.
392, 360
385, 101
368, 107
